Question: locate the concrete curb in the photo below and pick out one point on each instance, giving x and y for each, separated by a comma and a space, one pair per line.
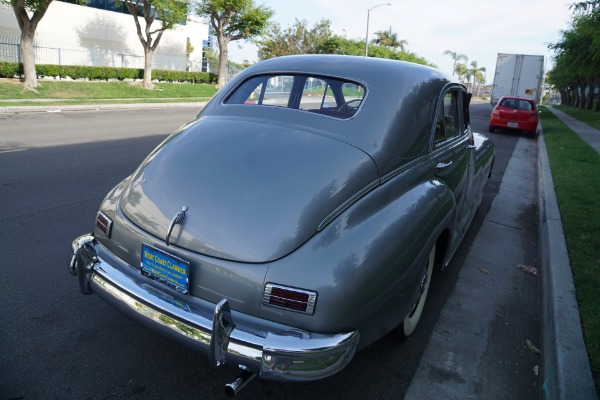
565, 370
98, 107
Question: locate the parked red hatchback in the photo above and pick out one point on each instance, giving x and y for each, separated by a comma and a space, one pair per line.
515, 113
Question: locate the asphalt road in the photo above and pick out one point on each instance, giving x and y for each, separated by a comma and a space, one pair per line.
55, 343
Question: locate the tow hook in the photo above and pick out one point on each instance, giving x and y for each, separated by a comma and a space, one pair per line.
233, 388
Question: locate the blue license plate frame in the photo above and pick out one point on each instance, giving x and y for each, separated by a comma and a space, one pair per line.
165, 268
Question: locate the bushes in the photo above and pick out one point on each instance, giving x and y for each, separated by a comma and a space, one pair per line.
9, 70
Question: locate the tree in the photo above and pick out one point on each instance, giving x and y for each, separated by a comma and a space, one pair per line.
456, 57
462, 71
28, 25
576, 72
169, 12
189, 49
476, 73
296, 39
356, 47
389, 39
341, 45
233, 20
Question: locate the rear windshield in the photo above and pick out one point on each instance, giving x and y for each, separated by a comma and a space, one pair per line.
332, 97
518, 104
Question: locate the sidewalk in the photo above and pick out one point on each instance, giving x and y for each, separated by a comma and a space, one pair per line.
477, 349
586, 132
453, 369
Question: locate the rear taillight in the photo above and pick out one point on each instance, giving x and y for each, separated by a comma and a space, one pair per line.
293, 299
104, 223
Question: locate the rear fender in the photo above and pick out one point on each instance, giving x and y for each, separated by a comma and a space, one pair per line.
366, 264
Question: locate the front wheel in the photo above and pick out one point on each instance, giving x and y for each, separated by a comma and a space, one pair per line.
412, 319
533, 134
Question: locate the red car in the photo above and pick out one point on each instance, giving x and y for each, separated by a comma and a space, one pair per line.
515, 113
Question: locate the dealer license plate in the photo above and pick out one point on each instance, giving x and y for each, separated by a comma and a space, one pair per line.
513, 125
165, 268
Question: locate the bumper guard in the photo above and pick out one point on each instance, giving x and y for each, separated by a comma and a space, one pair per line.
286, 354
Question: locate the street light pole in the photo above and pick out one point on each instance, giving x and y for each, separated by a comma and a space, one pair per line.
367, 36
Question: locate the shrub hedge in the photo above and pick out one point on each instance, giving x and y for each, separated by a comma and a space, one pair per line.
11, 69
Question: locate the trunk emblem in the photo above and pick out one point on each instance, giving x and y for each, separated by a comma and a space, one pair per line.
177, 220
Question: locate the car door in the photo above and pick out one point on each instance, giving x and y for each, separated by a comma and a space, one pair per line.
451, 154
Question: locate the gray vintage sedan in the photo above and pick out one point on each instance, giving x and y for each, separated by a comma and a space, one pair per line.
297, 219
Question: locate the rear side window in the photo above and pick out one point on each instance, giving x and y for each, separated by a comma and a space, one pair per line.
447, 123
518, 104
332, 97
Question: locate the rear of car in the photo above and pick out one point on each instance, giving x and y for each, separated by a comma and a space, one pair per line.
515, 113
296, 219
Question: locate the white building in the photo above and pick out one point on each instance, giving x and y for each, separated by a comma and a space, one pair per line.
101, 34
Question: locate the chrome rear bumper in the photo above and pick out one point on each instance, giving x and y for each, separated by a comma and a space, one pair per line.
274, 351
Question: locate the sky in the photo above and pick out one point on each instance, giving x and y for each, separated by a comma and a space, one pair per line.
479, 29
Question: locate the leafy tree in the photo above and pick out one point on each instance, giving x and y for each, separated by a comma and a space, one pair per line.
576, 70
340, 45
169, 12
296, 39
389, 39
189, 49
457, 58
233, 20
28, 25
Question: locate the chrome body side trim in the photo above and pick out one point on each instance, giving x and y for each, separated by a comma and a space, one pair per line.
274, 351
347, 204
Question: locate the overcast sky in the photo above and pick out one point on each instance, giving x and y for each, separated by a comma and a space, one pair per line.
479, 29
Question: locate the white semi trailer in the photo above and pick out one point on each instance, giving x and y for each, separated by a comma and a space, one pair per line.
518, 75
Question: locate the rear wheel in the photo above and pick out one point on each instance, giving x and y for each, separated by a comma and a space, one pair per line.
491, 129
412, 319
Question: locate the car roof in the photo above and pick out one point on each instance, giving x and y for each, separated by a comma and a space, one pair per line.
395, 117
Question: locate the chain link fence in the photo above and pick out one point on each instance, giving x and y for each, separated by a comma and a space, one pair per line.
51, 53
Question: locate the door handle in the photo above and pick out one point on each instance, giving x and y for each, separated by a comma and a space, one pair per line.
441, 165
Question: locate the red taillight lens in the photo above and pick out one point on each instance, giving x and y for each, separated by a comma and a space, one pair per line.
290, 298
103, 223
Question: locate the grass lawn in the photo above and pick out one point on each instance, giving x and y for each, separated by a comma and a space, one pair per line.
78, 92
576, 173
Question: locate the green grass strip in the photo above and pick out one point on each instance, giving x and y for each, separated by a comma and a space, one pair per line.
75, 90
576, 173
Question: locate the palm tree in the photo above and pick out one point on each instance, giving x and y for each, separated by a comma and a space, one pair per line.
475, 72
457, 58
462, 71
480, 78
388, 38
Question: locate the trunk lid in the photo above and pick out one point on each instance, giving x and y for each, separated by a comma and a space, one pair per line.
254, 192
